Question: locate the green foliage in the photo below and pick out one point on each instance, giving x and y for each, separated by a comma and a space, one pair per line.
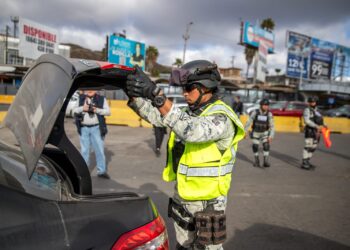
178, 62
268, 24
155, 72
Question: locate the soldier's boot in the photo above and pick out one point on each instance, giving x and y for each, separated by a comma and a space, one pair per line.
266, 162
256, 161
306, 165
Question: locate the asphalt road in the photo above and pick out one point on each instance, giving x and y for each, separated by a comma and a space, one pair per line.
282, 207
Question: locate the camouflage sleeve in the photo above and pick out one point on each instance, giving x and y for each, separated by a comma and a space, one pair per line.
146, 111
307, 119
271, 125
216, 127
250, 121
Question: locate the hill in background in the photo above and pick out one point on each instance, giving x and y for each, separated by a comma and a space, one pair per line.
76, 51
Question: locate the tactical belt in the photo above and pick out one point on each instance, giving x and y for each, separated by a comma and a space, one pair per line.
206, 171
181, 222
90, 125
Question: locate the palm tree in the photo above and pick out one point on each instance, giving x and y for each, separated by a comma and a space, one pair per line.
268, 24
151, 57
249, 52
178, 62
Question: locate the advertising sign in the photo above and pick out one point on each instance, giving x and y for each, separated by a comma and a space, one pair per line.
296, 64
126, 52
341, 65
36, 39
321, 59
298, 55
253, 34
261, 68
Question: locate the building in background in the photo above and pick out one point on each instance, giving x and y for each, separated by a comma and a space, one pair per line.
17, 53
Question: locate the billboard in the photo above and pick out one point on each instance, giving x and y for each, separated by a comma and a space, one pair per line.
319, 59
261, 67
253, 34
298, 55
126, 52
36, 39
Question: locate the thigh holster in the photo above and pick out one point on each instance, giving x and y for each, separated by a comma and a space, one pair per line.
211, 227
178, 219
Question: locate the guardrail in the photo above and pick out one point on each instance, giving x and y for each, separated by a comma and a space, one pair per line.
121, 114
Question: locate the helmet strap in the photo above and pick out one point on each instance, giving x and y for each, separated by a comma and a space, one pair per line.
197, 103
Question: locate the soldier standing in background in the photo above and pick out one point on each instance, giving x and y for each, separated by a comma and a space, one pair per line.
313, 124
262, 131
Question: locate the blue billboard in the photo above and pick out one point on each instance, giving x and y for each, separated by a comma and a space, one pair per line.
294, 66
322, 59
253, 34
126, 52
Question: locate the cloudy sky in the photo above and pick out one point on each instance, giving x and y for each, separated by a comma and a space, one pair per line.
213, 36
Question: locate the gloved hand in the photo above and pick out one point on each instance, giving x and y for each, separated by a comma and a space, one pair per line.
139, 85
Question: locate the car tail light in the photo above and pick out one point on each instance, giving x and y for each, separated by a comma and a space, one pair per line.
150, 236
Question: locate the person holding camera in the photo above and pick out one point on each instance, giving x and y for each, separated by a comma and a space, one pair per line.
92, 128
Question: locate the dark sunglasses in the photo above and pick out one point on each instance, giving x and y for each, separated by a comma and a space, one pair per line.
189, 87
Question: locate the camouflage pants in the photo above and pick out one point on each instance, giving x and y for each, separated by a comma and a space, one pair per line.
187, 238
310, 147
262, 137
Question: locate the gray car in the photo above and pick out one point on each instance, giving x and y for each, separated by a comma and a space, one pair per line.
45, 185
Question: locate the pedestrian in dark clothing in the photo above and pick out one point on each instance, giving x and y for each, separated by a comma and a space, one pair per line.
159, 133
238, 105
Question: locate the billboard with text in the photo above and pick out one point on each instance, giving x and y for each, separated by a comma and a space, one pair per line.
319, 59
126, 52
253, 34
36, 39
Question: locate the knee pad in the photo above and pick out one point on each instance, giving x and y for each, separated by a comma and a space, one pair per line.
311, 150
255, 148
266, 146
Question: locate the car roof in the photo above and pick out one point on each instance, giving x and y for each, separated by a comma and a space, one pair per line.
44, 94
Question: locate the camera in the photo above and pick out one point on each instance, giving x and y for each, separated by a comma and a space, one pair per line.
91, 108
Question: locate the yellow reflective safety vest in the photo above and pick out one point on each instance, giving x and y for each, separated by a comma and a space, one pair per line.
204, 173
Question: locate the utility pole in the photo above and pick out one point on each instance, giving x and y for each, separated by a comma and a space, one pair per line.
186, 37
6, 43
233, 61
15, 20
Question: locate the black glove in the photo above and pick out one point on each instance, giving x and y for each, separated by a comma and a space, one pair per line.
139, 85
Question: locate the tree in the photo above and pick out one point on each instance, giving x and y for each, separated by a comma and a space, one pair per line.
249, 52
151, 57
268, 24
277, 71
178, 62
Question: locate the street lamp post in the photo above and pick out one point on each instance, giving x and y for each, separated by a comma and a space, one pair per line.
6, 43
186, 36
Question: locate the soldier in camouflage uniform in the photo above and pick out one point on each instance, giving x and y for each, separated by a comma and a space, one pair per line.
201, 150
262, 131
313, 123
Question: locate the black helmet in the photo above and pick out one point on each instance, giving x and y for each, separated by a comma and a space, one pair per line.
264, 101
202, 71
312, 99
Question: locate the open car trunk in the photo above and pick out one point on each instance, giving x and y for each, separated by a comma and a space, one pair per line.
36, 117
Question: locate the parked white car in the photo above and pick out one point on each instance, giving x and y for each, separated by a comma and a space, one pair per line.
73, 102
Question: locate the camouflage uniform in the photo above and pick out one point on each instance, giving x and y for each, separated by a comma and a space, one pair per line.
313, 120
189, 127
261, 136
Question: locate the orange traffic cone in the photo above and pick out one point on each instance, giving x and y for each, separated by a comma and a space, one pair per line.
326, 134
